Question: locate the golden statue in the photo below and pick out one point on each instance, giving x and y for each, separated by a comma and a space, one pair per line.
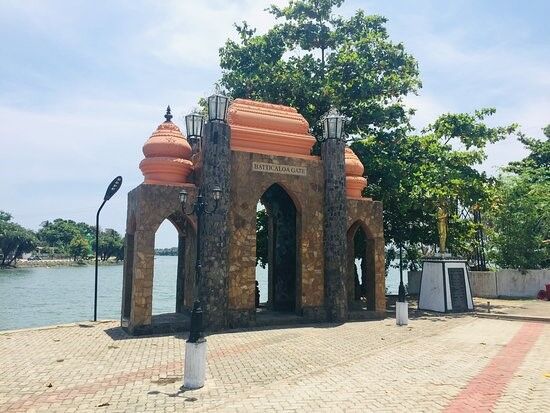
442, 228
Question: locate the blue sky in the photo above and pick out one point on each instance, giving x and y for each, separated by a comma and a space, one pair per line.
83, 84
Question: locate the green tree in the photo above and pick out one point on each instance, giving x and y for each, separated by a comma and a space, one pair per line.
5, 216
167, 251
111, 244
60, 232
79, 247
520, 236
313, 59
14, 240
414, 174
261, 238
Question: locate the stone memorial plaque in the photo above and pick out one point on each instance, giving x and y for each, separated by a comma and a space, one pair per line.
457, 285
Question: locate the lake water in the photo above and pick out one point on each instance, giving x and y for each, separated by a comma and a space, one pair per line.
32, 297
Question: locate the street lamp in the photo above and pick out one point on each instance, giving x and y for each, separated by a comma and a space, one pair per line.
401, 292
217, 107
112, 189
195, 353
333, 126
194, 123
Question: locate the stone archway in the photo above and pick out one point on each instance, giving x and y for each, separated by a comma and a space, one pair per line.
361, 280
282, 249
148, 207
173, 276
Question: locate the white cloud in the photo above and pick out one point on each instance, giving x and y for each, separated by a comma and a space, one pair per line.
136, 57
190, 33
58, 163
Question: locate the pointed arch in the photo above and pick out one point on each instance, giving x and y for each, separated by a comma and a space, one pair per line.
361, 280
283, 252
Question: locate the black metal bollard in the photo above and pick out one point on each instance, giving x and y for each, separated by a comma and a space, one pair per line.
195, 331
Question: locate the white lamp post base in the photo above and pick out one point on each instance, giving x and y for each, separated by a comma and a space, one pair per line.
194, 370
402, 313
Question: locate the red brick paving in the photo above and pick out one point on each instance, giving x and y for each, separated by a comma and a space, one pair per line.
484, 390
354, 367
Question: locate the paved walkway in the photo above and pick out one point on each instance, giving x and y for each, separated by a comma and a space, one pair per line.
515, 307
460, 363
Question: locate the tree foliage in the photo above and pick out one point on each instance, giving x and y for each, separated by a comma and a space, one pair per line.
74, 239
173, 251
414, 174
261, 238
79, 247
111, 244
521, 217
60, 232
313, 59
14, 240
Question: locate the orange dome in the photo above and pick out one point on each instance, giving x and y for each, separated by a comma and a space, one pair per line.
167, 155
170, 171
268, 128
355, 181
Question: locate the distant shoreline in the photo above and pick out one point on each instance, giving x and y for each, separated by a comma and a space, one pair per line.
58, 263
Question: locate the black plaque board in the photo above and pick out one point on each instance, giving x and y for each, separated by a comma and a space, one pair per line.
457, 285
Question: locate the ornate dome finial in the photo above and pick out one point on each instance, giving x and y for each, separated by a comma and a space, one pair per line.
168, 115
167, 155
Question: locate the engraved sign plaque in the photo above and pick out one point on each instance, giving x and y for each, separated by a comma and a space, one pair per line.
457, 284
279, 169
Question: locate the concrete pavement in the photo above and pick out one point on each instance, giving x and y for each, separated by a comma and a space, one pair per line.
449, 363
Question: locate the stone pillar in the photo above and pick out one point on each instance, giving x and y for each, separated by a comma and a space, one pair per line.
380, 274
372, 271
335, 211
180, 280
128, 278
216, 170
142, 286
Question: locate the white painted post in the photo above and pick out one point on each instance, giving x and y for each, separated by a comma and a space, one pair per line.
194, 370
402, 313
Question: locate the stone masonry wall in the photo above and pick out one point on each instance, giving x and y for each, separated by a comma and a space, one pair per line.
148, 207
247, 186
215, 171
369, 213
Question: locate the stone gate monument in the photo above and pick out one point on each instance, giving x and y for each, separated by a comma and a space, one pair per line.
314, 209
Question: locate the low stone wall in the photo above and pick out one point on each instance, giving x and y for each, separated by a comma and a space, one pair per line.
491, 284
508, 283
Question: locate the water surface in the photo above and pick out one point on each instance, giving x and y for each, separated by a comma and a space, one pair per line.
31, 297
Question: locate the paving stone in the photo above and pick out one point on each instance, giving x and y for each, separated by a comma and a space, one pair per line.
323, 367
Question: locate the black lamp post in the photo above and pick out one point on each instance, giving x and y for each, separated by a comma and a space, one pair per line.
199, 208
401, 292
217, 107
194, 123
333, 126
114, 186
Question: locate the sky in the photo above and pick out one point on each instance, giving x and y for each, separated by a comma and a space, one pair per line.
84, 84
